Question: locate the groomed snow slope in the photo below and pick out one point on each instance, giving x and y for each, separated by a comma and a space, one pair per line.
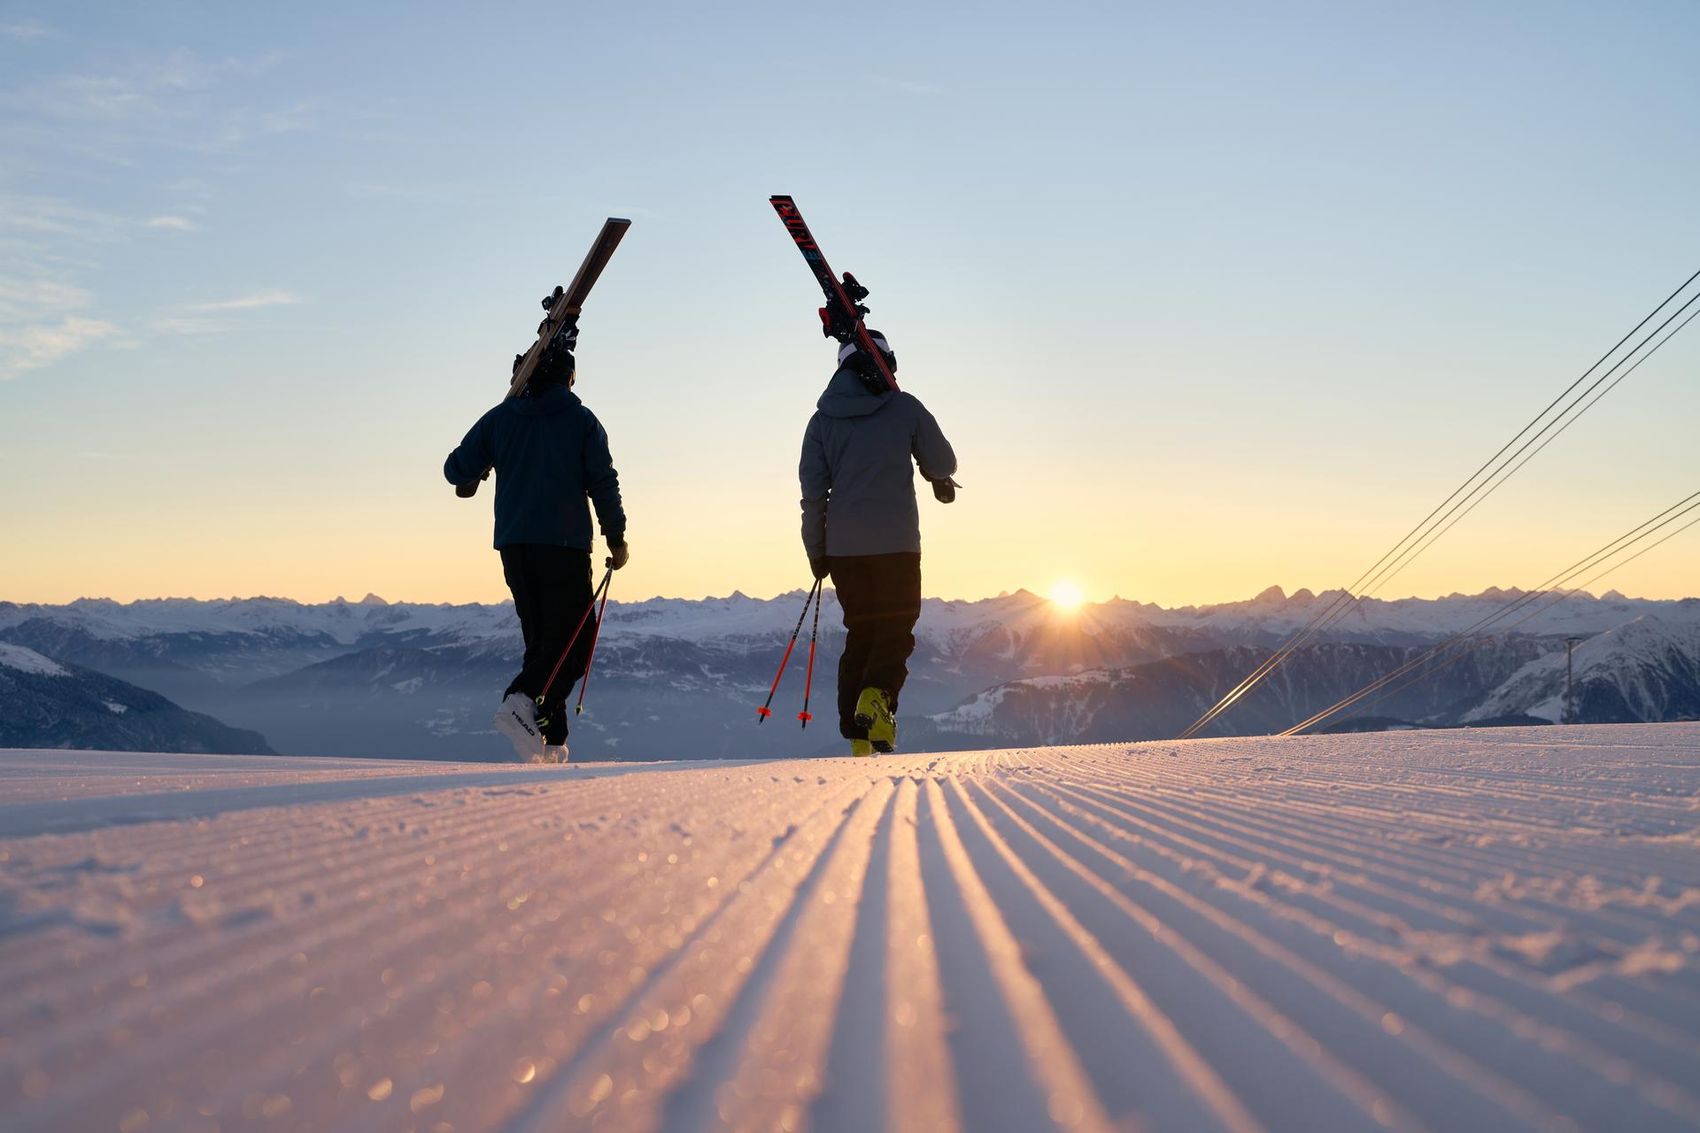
1447, 931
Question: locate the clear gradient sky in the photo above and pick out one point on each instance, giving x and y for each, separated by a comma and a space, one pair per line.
1209, 297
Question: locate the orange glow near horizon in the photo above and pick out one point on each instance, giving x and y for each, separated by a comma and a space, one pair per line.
1066, 595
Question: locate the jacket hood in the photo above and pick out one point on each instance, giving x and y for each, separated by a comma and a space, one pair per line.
552, 402
846, 396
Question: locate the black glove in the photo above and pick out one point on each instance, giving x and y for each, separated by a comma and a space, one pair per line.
469, 489
819, 567
944, 490
618, 555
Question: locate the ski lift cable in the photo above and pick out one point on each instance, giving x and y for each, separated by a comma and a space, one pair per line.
1589, 562
1687, 506
1507, 473
1468, 646
1623, 542
1326, 618
1422, 530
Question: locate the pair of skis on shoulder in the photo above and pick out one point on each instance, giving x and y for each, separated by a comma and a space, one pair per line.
842, 316
560, 320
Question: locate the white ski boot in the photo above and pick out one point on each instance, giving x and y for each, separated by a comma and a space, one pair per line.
517, 720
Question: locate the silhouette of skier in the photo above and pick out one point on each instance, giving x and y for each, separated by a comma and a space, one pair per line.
862, 527
551, 456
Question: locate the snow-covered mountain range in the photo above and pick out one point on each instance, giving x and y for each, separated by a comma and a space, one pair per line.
677, 676
1646, 669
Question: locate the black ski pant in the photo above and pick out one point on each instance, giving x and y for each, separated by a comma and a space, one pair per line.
881, 599
552, 591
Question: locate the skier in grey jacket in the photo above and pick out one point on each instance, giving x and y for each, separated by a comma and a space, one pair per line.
862, 527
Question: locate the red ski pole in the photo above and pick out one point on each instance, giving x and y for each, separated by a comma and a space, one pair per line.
595, 635
766, 710
809, 676
578, 629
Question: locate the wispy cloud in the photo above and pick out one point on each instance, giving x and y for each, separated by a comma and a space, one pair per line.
32, 346
26, 30
25, 300
40, 323
184, 326
250, 302
142, 86
193, 109
215, 317
23, 216
178, 101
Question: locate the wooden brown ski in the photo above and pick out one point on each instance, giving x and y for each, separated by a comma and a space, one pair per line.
562, 307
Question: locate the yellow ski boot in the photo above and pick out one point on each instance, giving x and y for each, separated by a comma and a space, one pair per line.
861, 747
873, 712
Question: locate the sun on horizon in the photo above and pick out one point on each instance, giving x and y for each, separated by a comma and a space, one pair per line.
1066, 595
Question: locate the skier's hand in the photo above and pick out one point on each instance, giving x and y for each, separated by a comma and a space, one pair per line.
819, 568
469, 489
618, 555
944, 491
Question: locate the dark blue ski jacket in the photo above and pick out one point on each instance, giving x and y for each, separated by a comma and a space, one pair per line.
857, 471
551, 457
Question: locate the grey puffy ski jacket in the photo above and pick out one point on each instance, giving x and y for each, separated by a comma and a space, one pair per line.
856, 473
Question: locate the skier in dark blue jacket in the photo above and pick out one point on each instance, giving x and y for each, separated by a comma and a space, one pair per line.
551, 460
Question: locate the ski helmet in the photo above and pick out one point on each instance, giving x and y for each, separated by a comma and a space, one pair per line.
557, 364
853, 356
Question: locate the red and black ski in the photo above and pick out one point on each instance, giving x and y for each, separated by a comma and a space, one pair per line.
841, 318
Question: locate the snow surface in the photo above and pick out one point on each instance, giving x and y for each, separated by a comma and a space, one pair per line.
1437, 930
29, 661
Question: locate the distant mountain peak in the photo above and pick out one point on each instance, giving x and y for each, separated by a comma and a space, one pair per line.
1508, 592
1271, 595
373, 600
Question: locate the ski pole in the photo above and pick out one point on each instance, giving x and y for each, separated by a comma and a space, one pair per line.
809, 675
766, 710
571, 641
595, 636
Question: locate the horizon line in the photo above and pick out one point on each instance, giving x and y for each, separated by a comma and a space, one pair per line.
374, 599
